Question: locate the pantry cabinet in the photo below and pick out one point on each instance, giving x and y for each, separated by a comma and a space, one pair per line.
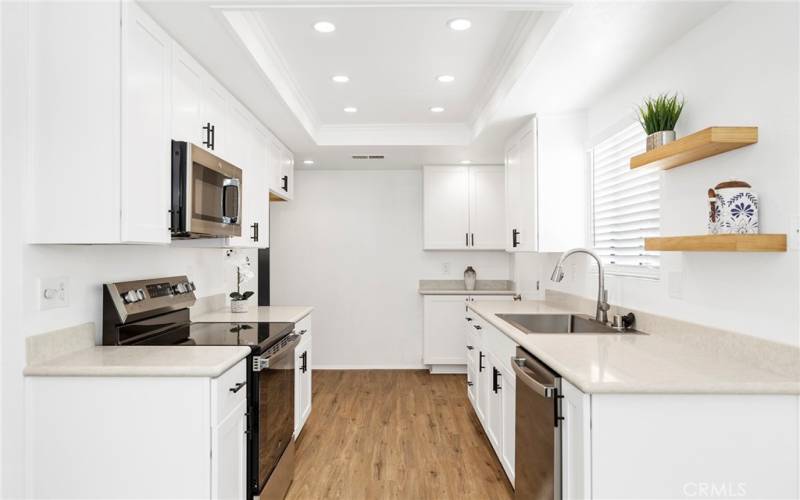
463, 207
443, 328
302, 377
545, 185
109, 91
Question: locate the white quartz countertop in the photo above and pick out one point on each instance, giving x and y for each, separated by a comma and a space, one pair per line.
663, 363
464, 291
275, 314
142, 361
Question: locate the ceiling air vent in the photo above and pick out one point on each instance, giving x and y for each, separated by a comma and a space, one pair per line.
368, 157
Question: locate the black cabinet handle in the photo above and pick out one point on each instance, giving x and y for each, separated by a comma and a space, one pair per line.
469, 383
285, 180
210, 136
468, 318
469, 348
254, 226
480, 361
495, 381
478, 327
304, 358
472, 238
466, 239
236, 388
514, 238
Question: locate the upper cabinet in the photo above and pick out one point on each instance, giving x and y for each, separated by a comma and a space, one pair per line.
109, 91
546, 185
463, 207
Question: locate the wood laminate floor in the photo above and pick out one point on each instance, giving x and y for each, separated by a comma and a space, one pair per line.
394, 434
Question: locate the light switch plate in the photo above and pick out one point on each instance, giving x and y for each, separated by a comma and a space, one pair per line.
53, 292
445, 268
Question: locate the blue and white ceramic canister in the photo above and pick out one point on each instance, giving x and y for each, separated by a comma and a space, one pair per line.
734, 209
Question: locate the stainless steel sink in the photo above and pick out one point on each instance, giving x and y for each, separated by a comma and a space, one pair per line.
558, 323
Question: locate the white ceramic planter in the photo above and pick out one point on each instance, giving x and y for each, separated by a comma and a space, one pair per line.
658, 139
239, 306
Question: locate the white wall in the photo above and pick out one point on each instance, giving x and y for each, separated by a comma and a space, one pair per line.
740, 67
351, 246
87, 267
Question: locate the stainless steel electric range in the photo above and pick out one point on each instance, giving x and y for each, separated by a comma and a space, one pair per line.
156, 312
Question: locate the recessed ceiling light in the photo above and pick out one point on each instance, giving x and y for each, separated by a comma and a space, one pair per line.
466, 162
308, 162
326, 27
445, 78
340, 78
437, 109
459, 24
350, 109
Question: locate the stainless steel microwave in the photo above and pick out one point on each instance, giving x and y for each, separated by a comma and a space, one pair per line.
206, 194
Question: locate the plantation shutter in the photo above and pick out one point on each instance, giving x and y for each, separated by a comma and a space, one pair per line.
625, 201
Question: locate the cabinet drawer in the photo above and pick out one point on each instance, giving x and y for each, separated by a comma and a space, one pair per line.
223, 397
500, 345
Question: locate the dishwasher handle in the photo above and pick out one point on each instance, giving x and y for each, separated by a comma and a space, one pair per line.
528, 377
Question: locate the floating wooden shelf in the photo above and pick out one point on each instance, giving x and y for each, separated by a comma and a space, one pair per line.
718, 243
707, 142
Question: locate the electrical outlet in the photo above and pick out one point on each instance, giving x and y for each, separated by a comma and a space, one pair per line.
794, 236
445, 268
53, 292
675, 285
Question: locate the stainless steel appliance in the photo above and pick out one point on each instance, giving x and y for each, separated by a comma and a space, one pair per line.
155, 312
539, 426
206, 194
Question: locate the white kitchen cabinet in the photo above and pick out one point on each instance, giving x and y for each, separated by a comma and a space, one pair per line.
281, 169
463, 207
146, 147
443, 340
508, 396
302, 375
575, 439
247, 153
141, 437
494, 407
546, 187
99, 131
188, 92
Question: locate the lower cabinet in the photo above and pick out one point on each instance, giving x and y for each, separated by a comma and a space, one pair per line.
137, 437
302, 375
443, 330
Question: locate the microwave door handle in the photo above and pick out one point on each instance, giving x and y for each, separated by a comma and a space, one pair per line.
231, 183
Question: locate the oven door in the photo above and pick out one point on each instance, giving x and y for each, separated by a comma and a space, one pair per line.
274, 419
209, 193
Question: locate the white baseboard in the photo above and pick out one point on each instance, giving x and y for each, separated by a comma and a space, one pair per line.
368, 367
448, 369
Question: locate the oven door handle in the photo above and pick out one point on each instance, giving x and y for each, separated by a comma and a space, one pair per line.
527, 376
262, 362
227, 184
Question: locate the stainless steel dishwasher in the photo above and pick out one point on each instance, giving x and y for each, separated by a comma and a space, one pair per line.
538, 429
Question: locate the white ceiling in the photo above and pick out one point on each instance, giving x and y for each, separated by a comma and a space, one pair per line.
392, 56
519, 58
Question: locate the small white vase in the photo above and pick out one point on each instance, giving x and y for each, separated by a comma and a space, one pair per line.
239, 306
470, 277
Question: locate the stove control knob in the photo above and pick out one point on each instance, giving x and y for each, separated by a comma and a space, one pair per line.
180, 288
191, 286
140, 294
130, 297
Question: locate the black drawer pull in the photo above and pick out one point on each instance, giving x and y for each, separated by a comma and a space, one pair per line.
237, 387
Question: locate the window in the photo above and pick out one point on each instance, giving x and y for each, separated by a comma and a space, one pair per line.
625, 204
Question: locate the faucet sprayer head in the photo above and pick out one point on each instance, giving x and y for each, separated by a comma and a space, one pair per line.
558, 273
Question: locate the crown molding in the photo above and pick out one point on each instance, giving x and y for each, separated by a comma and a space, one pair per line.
264, 51
515, 62
535, 5
395, 134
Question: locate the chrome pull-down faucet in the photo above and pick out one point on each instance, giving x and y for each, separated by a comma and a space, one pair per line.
602, 294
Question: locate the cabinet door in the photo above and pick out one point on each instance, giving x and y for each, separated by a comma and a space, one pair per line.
274, 172
513, 195
241, 127
229, 455
528, 201
575, 454
214, 111
146, 83
487, 207
446, 208
484, 381
494, 412
188, 90
508, 396
443, 330
287, 173
302, 384
305, 395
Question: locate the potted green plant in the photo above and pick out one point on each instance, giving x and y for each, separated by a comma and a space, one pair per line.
658, 116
